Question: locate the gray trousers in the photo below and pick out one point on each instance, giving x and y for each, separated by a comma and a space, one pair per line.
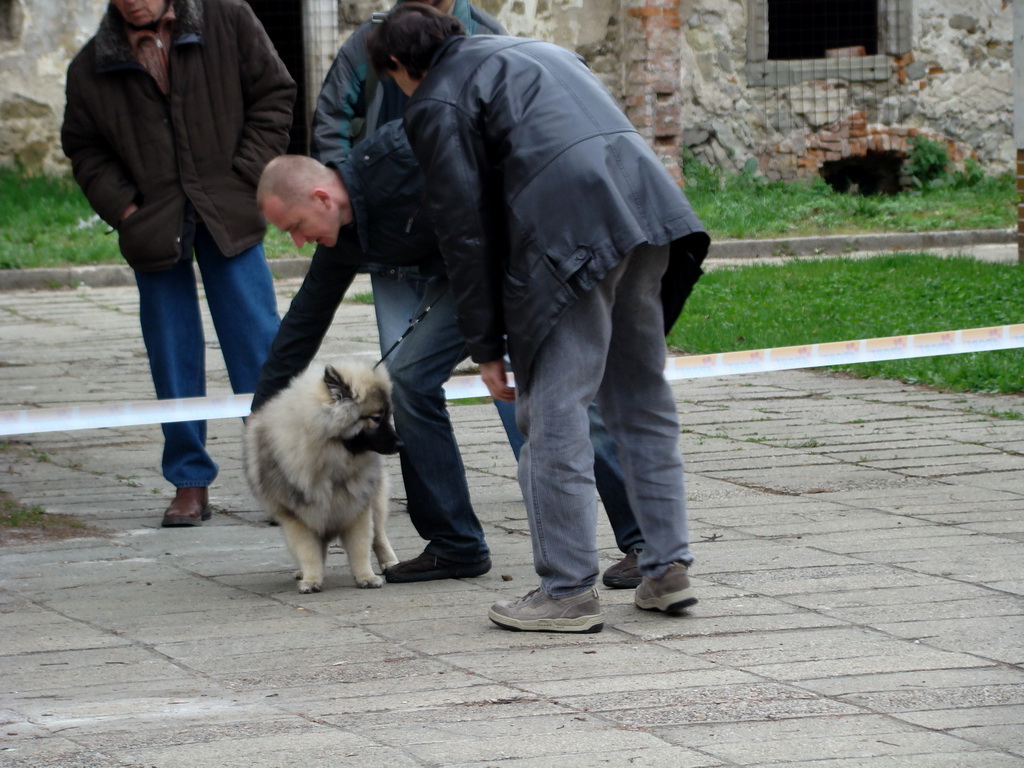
609, 346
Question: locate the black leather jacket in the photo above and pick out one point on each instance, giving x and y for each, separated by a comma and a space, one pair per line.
390, 226
553, 186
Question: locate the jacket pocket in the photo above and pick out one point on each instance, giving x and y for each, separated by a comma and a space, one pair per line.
148, 240
571, 269
514, 288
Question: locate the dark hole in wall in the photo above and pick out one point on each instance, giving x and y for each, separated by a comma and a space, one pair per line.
283, 21
10, 20
805, 29
876, 173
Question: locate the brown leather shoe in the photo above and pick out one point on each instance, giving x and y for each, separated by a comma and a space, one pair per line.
190, 507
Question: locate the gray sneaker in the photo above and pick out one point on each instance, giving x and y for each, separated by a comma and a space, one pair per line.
671, 593
536, 612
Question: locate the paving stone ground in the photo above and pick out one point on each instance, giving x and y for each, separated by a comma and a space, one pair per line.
859, 554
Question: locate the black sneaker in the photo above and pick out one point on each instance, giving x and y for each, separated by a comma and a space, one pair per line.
428, 567
624, 574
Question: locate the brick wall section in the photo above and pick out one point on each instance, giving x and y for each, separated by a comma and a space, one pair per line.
652, 50
802, 157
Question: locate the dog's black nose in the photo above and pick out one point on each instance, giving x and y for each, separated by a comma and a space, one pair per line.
383, 440
393, 446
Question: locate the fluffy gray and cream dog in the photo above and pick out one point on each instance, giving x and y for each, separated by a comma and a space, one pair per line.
313, 460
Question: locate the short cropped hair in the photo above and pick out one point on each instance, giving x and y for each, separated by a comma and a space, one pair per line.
290, 178
411, 33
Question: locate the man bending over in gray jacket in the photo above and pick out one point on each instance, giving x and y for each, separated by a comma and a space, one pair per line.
569, 229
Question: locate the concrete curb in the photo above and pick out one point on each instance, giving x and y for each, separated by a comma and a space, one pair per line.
110, 275
836, 245
107, 276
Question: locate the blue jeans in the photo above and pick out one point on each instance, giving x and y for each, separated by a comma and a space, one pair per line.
240, 294
398, 297
608, 346
436, 490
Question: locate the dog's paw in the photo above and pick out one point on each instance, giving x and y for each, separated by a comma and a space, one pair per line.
305, 587
374, 582
297, 575
385, 566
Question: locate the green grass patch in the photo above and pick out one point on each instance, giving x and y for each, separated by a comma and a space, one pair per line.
279, 245
20, 523
816, 301
1010, 415
13, 514
746, 205
47, 222
484, 400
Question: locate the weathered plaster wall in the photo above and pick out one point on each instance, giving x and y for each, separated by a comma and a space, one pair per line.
964, 73
720, 119
33, 66
587, 26
957, 82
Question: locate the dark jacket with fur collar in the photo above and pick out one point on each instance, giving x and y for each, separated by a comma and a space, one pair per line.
228, 114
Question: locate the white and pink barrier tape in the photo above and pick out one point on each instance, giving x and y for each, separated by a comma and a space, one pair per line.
465, 387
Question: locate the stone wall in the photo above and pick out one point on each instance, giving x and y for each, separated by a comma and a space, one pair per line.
680, 68
955, 84
36, 47
854, 138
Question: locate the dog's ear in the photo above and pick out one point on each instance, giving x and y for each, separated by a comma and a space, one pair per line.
336, 386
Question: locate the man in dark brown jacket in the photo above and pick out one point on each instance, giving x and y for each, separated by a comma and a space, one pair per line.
173, 110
